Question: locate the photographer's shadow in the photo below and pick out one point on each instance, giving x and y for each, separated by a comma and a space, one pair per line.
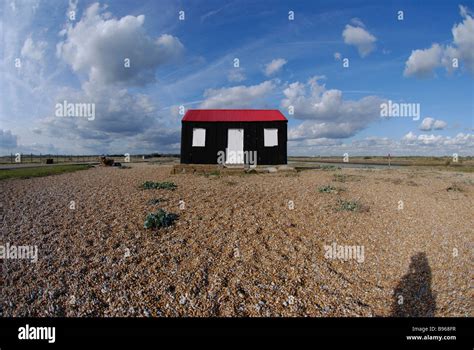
413, 296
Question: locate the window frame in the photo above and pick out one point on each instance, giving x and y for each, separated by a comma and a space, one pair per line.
265, 130
193, 138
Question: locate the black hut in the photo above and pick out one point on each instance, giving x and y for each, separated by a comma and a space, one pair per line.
233, 137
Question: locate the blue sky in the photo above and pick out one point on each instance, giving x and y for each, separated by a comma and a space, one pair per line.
283, 63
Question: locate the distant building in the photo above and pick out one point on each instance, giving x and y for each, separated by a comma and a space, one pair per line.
239, 134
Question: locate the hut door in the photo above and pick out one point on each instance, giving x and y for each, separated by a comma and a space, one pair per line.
235, 146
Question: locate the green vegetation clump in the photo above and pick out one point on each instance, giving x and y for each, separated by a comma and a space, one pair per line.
354, 206
454, 188
156, 201
327, 189
340, 177
25, 173
147, 185
159, 219
328, 167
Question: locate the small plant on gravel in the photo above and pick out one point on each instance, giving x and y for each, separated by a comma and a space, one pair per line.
159, 219
328, 167
454, 188
156, 201
340, 177
327, 189
147, 185
355, 206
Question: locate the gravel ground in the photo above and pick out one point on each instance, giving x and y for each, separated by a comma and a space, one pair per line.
239, 247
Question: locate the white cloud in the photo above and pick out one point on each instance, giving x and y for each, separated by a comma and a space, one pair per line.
117, 113
99, 45
429, 124
325, 112
274, 66
237, 97
410, 137
439, 125
422, 63
410, 144
32, 50
463, 38
358, 36
124, 122
357, 22
461, 140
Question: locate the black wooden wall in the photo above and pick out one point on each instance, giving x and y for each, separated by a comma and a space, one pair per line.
216, 140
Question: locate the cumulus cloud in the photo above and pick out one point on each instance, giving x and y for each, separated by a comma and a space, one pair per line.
117, 113
274, 66
124, 122
99, 45
32, 50
355, 34
8, 140
422, 63
461, 140
238, 96
410, 144
429, 124
325, 112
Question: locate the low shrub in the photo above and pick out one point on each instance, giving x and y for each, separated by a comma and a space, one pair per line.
340, 177
147, 185
355, 206
328, 167
454, 188
156, 201
159, 219
327, 189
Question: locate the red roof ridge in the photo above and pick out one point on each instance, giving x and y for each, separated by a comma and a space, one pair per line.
233, 115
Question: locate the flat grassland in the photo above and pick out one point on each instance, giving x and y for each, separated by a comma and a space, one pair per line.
26, 173
243, 245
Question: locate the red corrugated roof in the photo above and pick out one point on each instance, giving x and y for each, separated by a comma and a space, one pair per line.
233, 115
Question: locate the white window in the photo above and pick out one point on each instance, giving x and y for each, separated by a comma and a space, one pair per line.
270, 137
199, 137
